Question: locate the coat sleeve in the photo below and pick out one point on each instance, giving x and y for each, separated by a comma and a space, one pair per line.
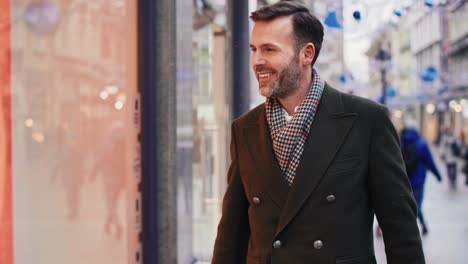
233, 229
391, 194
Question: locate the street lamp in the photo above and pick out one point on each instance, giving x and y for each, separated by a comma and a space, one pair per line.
383, 56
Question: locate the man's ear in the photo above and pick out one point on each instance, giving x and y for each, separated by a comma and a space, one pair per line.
308, 53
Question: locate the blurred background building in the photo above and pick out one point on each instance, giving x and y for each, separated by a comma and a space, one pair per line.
426, 50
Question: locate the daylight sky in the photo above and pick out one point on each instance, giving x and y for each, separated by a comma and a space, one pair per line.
358, 34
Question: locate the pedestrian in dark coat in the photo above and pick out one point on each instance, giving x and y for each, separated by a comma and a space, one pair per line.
418, 152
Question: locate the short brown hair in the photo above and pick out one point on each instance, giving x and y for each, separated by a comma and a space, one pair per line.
307, 28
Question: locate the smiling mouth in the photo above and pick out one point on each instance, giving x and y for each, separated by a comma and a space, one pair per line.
265, 75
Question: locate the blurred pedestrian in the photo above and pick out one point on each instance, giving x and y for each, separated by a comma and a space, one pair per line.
451, 150
462, 137
109, 165
69, 169
418, 159
465, 164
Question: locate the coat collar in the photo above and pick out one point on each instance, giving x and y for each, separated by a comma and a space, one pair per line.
329, 130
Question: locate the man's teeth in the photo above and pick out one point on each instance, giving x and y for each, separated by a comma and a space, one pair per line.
264, 75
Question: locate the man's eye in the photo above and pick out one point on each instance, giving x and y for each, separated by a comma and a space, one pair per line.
269, 50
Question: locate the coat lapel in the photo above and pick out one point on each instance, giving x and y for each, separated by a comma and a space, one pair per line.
261, 153
329, 130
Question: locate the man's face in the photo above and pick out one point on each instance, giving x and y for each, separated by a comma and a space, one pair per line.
274, 59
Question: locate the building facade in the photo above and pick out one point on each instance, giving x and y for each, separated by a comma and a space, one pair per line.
417, 42
457, 48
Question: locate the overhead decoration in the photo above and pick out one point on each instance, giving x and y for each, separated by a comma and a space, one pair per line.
397, 12
359, 12
428, 74
390, 92
42, 17
380, 99
357, 15
343, 78
362, 8
429, 3
331, 20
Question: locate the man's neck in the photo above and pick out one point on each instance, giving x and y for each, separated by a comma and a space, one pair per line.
290, 102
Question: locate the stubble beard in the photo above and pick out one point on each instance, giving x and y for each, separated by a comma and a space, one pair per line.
287, 82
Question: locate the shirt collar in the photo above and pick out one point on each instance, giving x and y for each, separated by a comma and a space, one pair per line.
289, 117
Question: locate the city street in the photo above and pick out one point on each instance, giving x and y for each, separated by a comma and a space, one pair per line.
121, 120
447, 218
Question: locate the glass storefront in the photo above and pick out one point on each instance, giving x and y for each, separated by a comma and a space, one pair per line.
72, 89
211, 136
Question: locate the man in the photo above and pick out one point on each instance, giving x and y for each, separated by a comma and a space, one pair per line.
311, 166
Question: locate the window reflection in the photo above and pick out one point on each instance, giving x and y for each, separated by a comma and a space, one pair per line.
75, 149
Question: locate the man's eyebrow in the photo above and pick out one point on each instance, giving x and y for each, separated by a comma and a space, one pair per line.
266, 45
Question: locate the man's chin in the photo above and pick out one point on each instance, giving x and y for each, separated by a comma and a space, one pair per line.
265, 91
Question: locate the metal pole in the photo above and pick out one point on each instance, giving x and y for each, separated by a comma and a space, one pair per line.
383, 73
382, 57
157, 68
238, 15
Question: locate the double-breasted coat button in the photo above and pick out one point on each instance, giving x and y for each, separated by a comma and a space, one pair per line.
331, 198
277, 244
256, 200
318, 244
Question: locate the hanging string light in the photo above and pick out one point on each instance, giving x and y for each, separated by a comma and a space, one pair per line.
357, 15
331, 20
397, 12
42, 17
428, 74
429, 3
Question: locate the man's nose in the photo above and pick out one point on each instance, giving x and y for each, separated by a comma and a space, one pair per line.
257, 59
